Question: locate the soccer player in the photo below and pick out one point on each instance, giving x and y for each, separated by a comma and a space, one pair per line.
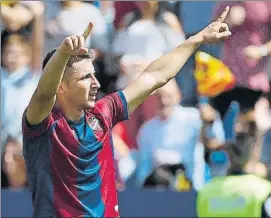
67, 136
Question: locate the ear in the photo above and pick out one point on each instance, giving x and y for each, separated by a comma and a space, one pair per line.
61, 89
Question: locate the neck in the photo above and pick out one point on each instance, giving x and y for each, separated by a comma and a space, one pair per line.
71, 113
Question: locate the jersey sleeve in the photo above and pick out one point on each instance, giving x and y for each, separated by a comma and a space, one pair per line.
114, 108
36, 130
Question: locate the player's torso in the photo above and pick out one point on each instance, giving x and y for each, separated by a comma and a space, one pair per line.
81, 167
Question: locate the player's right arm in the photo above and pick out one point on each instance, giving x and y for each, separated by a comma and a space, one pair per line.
44, 97
159, 72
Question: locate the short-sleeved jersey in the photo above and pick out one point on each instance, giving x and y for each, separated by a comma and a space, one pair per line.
70, 166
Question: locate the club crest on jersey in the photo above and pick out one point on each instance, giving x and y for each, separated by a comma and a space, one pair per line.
95, 124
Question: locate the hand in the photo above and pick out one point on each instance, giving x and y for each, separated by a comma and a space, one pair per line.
37, 8
216, 31
253, 52
262, 115
75, 45
207, 113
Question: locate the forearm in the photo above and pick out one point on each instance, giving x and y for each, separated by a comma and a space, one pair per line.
159, 72
52, 76
166, 67
38, 42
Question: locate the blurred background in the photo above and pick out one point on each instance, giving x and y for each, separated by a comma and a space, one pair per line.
176, 141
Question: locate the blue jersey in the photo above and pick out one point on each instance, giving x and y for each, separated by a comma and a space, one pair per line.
70, 166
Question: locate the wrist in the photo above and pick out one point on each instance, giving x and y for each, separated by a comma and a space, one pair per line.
62, 53
196, 39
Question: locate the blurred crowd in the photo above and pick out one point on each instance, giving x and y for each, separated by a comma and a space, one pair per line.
177, 139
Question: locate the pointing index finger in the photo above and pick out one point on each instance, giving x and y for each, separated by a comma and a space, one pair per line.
88, 30
223, 15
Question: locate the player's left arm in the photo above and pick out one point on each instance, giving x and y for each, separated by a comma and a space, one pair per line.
159, 72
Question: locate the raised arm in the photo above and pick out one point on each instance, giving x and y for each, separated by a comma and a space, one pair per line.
159, 72
37, 9
44, 97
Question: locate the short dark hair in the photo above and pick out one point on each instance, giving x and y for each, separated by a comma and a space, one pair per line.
73, 59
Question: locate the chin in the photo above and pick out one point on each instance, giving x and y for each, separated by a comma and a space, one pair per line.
91, 104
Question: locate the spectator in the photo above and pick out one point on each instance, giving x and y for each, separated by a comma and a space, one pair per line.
251, 18
123, 153
248, 60
16, 17
121, 10
131, 66
265, 154
167, 138
124, 134
264, 146
194, 15
13, 165
147, 31
265, 157
238, 194
18, 82
69, 19
17, 86
212, 136
25, 18
20, 62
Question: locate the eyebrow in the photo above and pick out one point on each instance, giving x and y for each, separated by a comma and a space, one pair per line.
88, 74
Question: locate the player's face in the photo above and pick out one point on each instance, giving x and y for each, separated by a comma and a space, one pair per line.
81, 86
